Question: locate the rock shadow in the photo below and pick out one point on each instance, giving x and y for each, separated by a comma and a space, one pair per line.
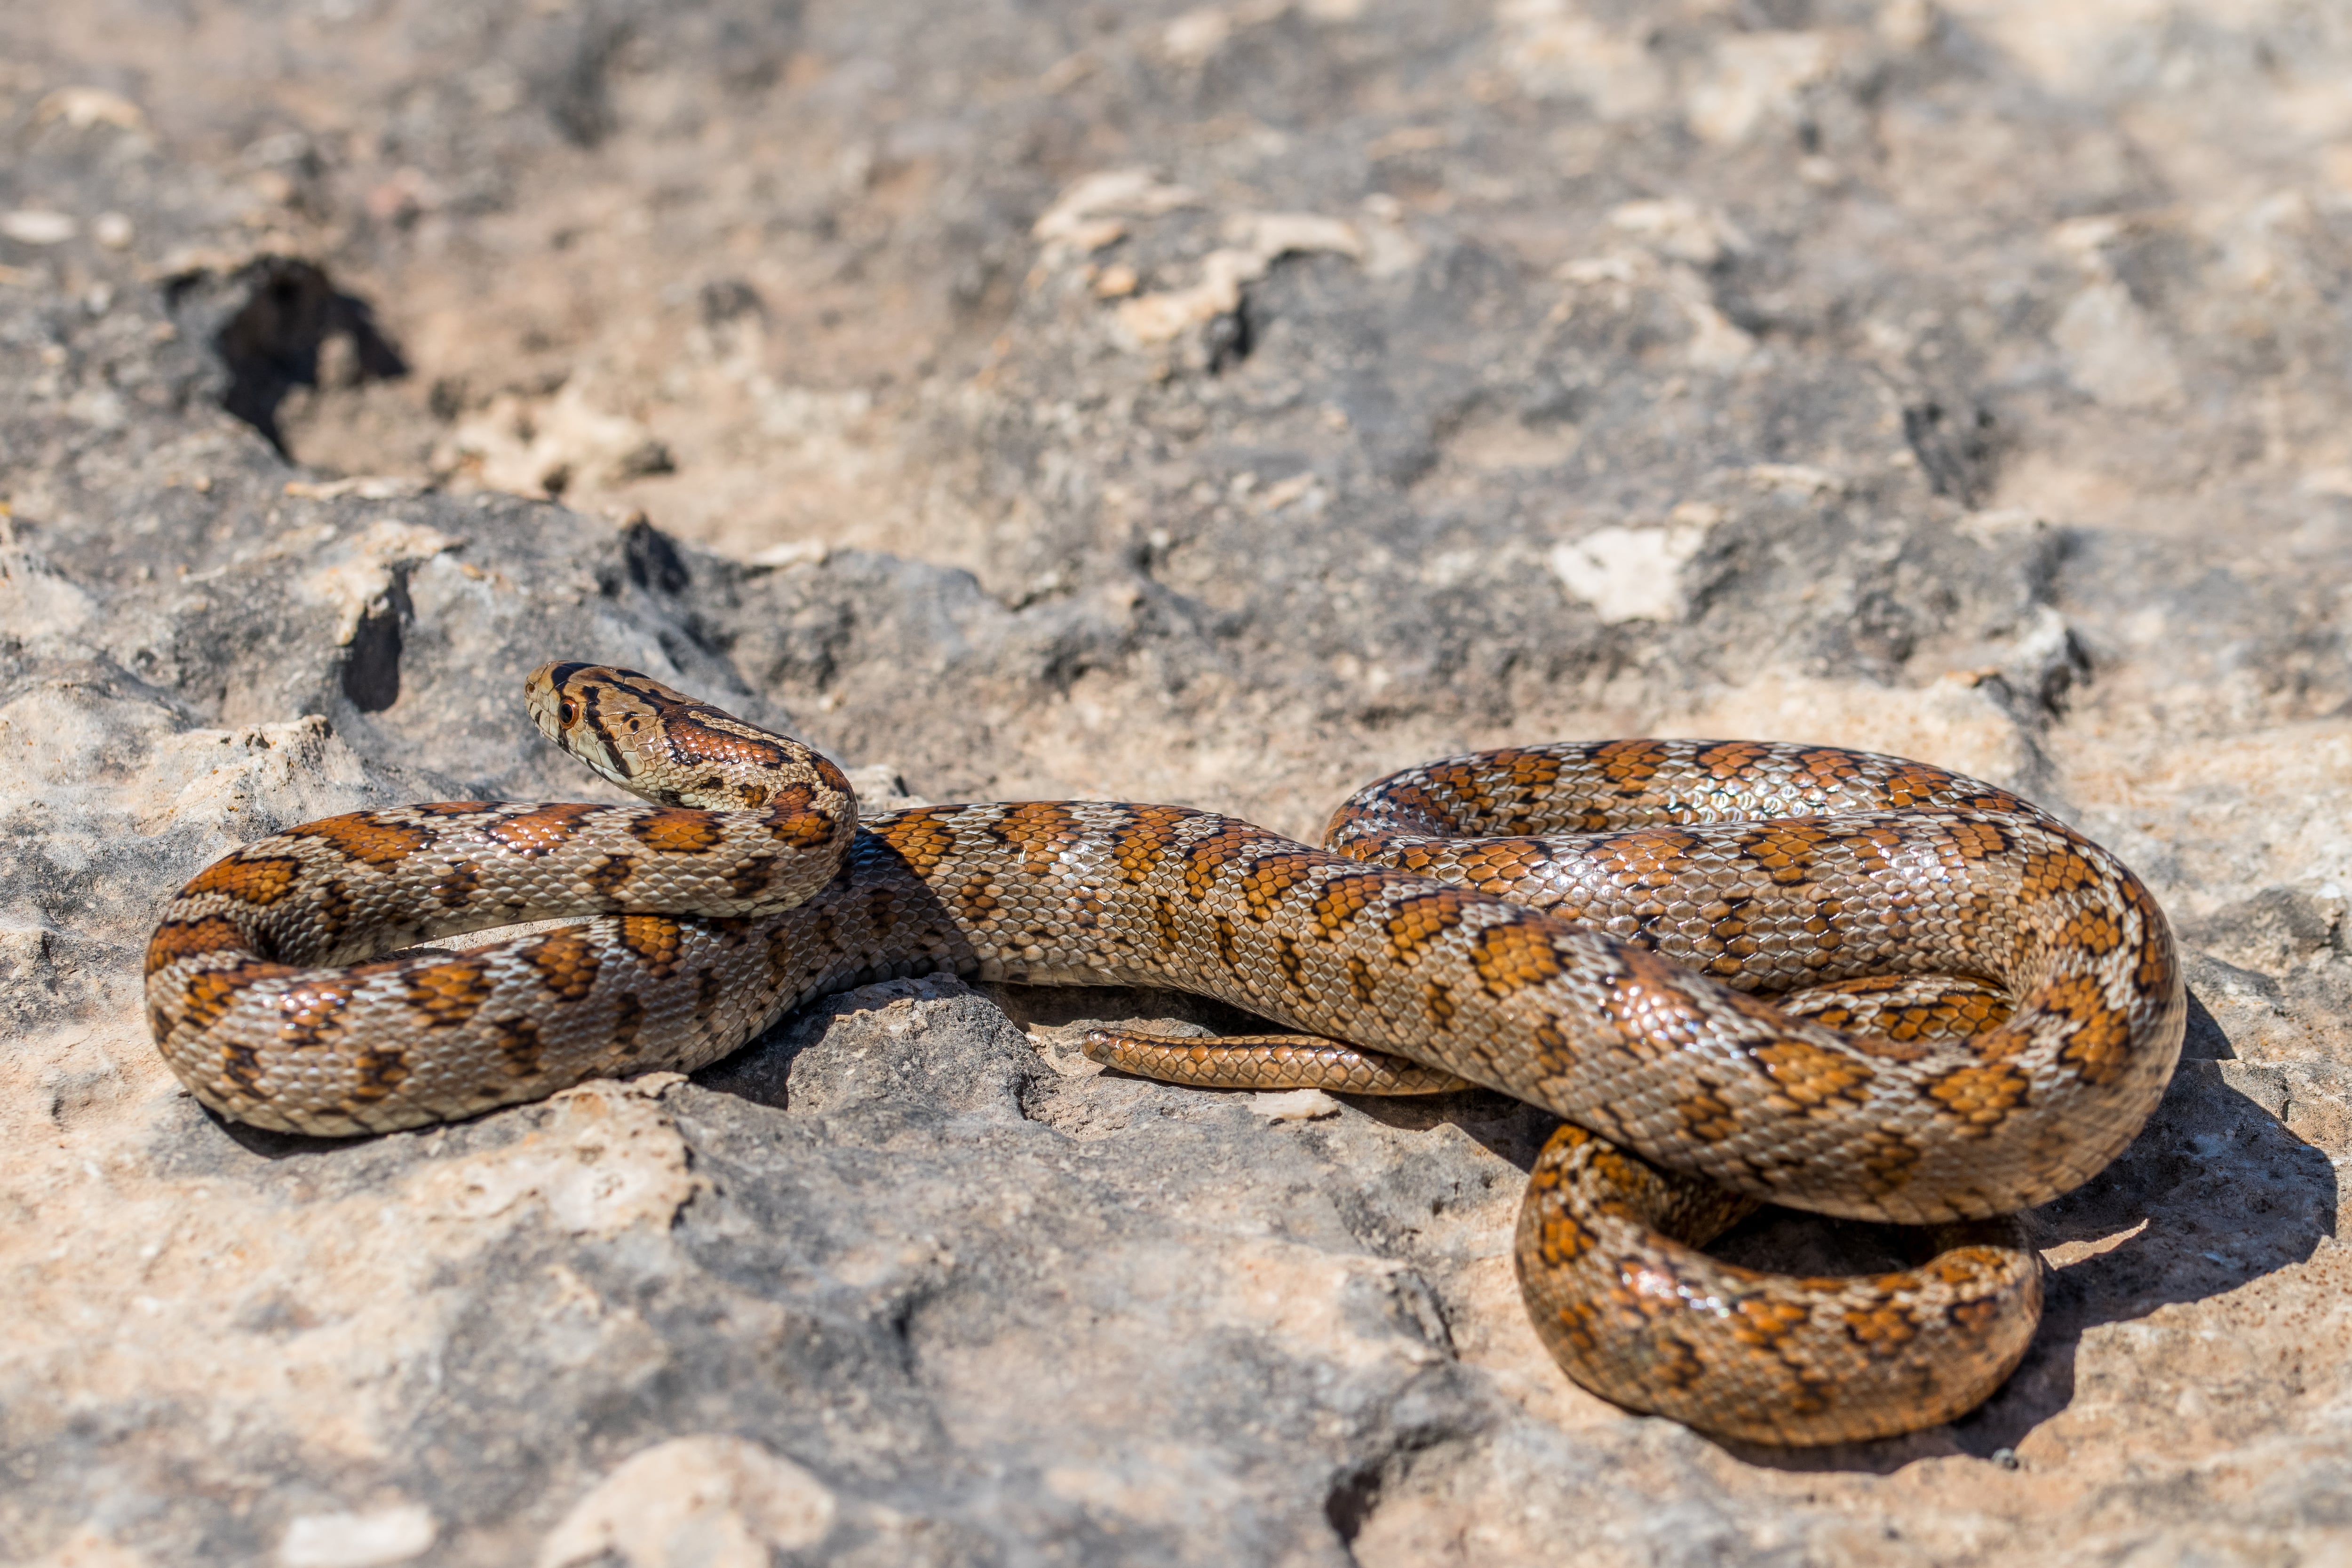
269, 323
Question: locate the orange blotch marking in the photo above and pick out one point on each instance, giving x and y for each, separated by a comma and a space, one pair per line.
449, 993
1883, 1327
676, 830
1767, 1323
1648, 858
1514, 956
657, 940
1810, 1075
1143, 842
1343, 897
208, 996
2048, 873
1267, 881
543, 829
1974, 1320
1982, 1097
176, 939
310, 1012
257, 882
920, 838
365, 837
2099, 1045
797, 823
566, 961
1422, 919
1040, 830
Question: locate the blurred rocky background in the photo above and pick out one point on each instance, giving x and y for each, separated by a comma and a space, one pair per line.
1222, 405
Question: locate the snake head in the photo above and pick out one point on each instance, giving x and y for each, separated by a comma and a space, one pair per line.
667, 747
585, 710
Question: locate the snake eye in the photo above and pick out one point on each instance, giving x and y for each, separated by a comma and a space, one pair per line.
567, 711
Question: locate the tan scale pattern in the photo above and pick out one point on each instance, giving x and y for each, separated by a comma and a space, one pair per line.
1759, 972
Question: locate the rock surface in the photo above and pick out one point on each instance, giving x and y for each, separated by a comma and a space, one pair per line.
1222, 405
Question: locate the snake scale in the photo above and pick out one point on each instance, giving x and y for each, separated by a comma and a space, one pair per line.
1739, 971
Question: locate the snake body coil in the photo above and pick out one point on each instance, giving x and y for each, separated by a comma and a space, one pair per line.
1741, 971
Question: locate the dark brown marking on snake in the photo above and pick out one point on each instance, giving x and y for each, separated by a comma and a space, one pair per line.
1171, 932
882, 913
611, 875
1973, 1318
1730, 761
261, 882
976, 898
449, 993
2094, 930
1889, 1158
1675, 1364
1228, 949
713, 736
628, 1018
1360, 981
1706, 1116
657, 940
381, 1070
566, 961
707, 991
456, 886
240, 1063
367, 836
2157, 973
543, 829
332, 911
1437, 1001
751, 876
1786, 850
517, 1041
1975, 842
1630, 765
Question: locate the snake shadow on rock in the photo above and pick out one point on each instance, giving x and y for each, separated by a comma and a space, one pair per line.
2214, 1193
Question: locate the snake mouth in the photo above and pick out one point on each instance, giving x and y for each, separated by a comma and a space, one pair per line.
569, 717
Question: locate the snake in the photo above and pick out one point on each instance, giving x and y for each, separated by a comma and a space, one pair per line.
1739, 972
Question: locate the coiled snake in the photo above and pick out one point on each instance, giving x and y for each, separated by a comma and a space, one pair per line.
1741, 971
